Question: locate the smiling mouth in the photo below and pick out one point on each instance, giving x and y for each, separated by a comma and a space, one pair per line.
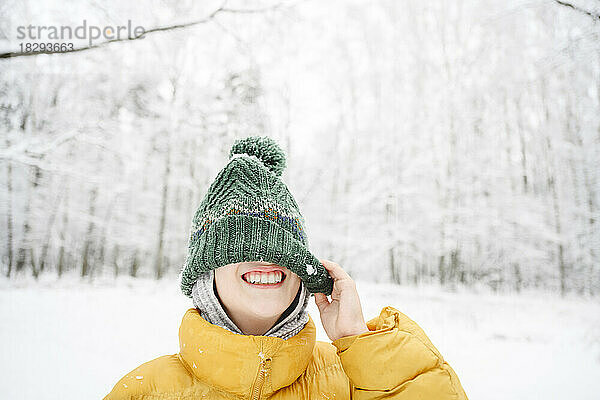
264, 279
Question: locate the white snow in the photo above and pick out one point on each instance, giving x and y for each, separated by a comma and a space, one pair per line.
77, 340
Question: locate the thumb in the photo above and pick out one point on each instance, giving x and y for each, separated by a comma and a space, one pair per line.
321, 301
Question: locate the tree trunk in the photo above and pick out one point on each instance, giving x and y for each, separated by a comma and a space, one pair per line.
134, 265
48, 238
158, 270
518, 277
523, 149
116, 259
65, 222
86, 264
9, 219
25, 247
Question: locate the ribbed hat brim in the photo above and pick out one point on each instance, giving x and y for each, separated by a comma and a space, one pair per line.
238, 238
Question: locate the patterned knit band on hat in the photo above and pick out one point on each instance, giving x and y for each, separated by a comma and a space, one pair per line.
248, 214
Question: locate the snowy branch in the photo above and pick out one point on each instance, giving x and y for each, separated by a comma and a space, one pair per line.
36, 150
579, 9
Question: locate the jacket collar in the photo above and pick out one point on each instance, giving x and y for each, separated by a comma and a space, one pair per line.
231, 362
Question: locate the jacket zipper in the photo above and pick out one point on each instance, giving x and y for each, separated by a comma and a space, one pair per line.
260, 379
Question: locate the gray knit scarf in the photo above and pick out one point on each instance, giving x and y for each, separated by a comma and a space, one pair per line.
206, 300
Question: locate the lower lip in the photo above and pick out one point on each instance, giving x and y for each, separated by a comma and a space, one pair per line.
264, 285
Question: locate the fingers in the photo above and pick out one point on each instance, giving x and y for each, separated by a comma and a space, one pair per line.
335, 271
321, 301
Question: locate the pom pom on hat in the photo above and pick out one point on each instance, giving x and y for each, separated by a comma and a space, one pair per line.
264, 148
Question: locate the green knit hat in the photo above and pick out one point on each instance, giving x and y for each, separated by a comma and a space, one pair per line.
249, 214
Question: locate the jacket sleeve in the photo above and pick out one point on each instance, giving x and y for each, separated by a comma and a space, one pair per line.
396, 360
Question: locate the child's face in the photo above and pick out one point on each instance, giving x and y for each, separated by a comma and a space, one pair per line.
263, 301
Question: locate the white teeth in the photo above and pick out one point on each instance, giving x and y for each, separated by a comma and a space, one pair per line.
265, 277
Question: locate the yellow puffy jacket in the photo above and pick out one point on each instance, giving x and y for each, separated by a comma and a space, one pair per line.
394, 360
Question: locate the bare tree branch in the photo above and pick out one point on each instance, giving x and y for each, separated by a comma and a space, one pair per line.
37, 148
204, 20
579, 9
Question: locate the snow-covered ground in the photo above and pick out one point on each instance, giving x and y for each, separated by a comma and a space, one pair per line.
70, 340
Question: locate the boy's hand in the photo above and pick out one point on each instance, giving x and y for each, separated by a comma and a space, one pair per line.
342, 316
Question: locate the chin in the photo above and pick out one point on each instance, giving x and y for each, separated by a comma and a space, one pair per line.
266, 309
